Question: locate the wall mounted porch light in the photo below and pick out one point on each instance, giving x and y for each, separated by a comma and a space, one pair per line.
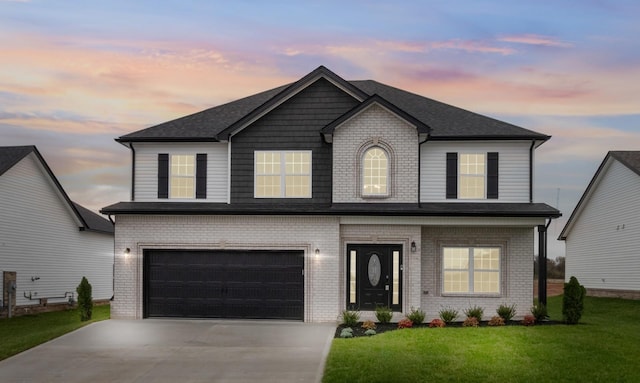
317, 252
413, 246
127, 251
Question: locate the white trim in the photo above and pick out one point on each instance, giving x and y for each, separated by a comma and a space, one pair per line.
442, 221
471, 270
193, 177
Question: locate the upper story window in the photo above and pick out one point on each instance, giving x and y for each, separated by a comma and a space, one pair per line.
375, 171
182, 176
282, 174
472, 175
182, 179
471, 270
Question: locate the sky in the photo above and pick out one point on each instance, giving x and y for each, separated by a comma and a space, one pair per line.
74, 75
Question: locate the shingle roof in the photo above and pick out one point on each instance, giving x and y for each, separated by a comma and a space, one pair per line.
446, 121
629, 158
359, 209
11, 155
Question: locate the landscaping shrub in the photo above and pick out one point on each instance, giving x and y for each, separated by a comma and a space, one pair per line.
474, 311
529, 320
506, 312
573, 301
383, 314
471, 322
539, 311
416, 316
346, 333
496, 321
370, 332
350, 318
405, 323
85, 300
448, 315
437, 323
368, 325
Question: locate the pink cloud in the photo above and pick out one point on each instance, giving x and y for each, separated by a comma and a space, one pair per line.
472, 46
531, 39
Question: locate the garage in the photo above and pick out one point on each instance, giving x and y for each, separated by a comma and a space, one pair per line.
252, 284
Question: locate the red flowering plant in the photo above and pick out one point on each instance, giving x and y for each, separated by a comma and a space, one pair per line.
437, 323
471, 322
529, 320
405, 323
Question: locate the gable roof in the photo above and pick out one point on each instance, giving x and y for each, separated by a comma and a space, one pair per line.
90, 221
630, 159
446, 122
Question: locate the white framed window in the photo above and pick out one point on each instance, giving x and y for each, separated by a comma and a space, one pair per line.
472, 179
182, 176
282, 174
375, 172
471, 270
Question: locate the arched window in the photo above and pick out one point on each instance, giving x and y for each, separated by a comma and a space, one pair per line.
375, 171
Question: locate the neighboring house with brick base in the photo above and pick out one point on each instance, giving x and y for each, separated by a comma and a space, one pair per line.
602, 235
47, 242
324, 195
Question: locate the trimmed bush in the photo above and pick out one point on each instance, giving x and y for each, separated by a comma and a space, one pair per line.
416, 316
539, 311
529, 320
474, 311
437, 323
573, 301
506, 312
471, 322
346, 333
405, 323
496, 321
383, 314
448, 315
85, 300
370, 332
368, 325
350, 318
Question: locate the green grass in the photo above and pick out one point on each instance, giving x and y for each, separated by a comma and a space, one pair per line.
604, 347
24, 332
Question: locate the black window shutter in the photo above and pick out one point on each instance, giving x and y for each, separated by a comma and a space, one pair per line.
492, 175
452, 175
201, 175
163, 175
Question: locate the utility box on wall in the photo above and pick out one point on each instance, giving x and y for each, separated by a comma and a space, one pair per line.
8, 284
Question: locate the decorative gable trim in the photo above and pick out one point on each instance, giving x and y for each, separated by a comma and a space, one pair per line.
423, 129
289, 92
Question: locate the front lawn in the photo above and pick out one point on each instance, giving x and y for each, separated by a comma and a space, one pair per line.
602, 348
21, 333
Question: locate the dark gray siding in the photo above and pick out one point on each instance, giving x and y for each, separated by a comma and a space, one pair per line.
294, 125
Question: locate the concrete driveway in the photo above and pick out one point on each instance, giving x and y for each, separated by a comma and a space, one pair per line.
161, 350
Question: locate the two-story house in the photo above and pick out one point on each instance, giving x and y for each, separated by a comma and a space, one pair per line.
322, 195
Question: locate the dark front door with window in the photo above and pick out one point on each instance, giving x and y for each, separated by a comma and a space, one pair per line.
374, 277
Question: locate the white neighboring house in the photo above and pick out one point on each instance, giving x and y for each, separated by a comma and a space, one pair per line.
603, 233
47, 242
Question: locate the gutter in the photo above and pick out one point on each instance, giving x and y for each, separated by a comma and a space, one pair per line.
133, 172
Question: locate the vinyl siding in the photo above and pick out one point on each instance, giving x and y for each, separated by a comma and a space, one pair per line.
513, 178
146, 168
603, 247
294, 125
40, 237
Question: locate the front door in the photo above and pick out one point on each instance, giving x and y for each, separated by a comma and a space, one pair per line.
374, 277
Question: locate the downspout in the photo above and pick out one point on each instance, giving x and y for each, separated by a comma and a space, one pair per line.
533, 143
420, 168
133, 172
542, 263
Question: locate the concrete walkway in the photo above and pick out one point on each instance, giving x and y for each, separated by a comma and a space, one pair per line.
160, 350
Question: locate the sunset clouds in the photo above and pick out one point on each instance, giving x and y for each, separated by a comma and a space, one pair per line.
75, 75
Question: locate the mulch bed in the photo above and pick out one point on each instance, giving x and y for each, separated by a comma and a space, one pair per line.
358, 331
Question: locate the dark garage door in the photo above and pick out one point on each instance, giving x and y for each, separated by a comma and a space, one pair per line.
224, 284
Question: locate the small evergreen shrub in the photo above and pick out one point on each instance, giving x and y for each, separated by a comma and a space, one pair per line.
346, 333
496, 321
368, 325
506, 312
529, 320
573, 301
474, 311
350, 318
437, 323
416, 316
405, 323
370, 332
471, 322
539, 311
85, 300
448, 315
383, 314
